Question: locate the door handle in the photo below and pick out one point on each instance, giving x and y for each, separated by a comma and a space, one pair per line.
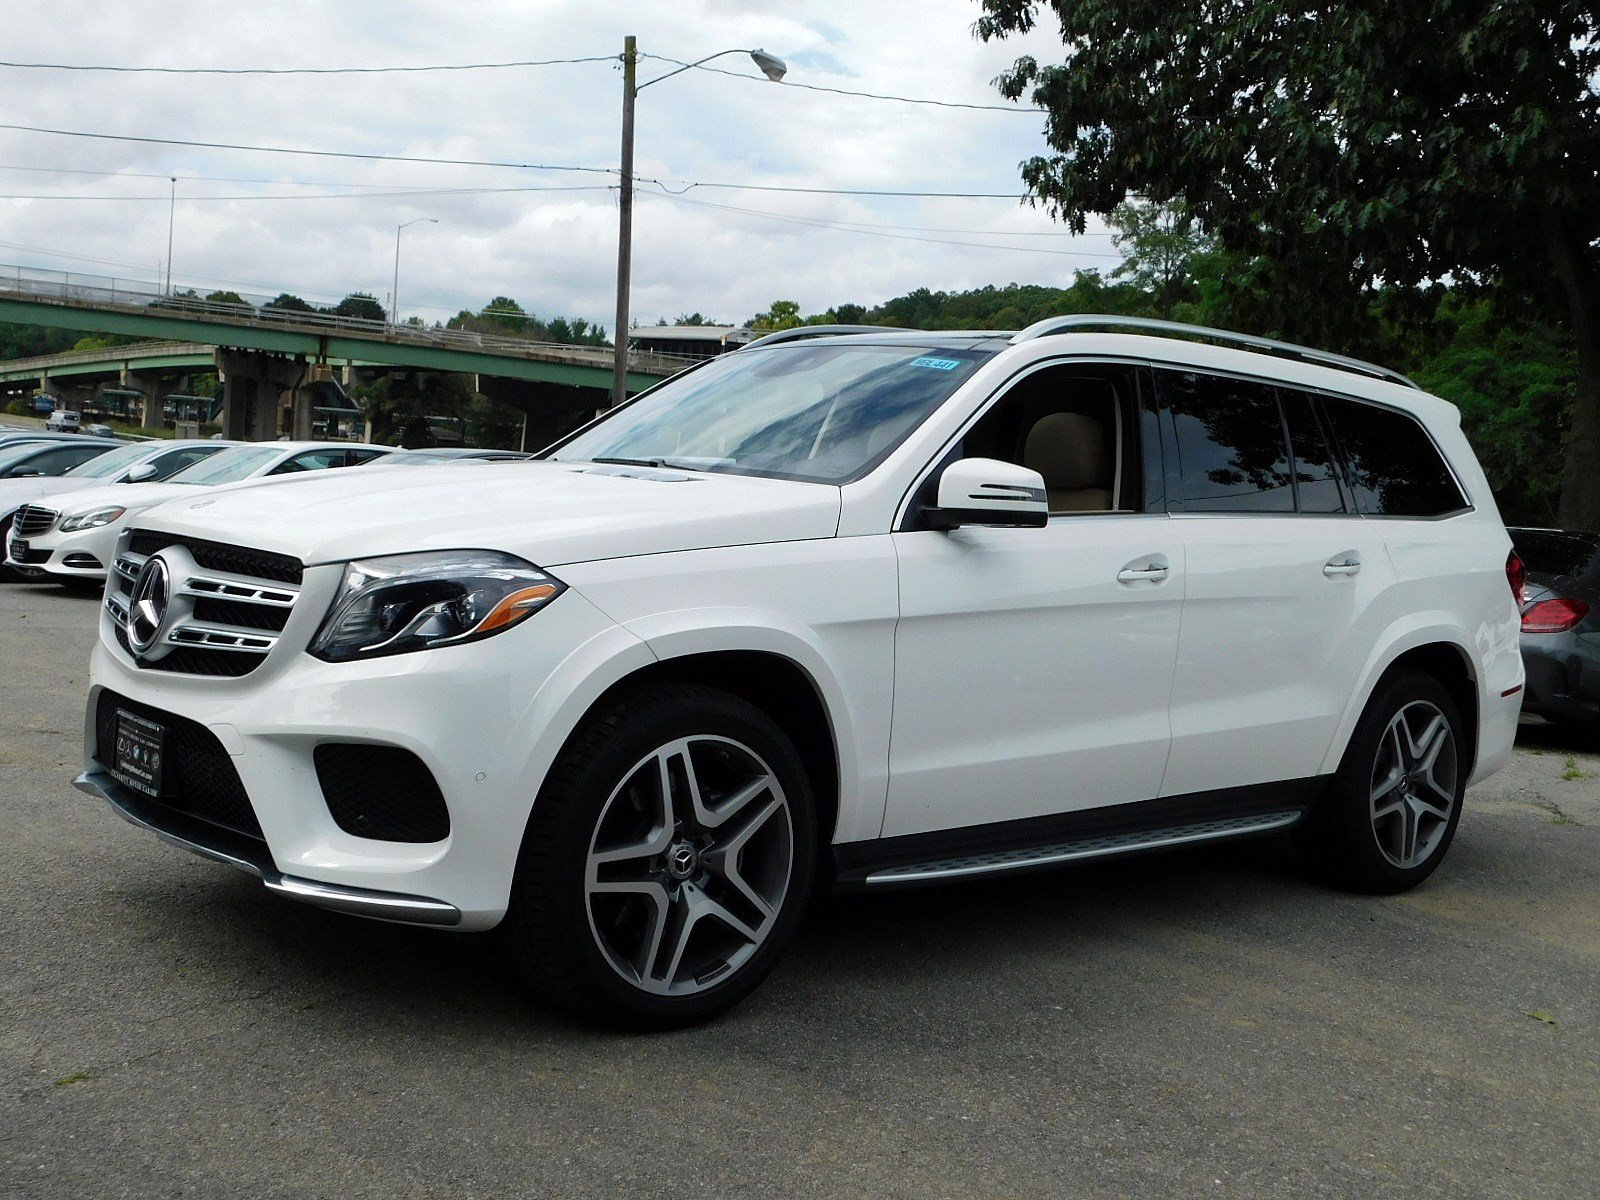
1154, 573
1344, 564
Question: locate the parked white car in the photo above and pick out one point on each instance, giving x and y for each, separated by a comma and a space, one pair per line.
140, 462
63, 420
1111, 590
71, 541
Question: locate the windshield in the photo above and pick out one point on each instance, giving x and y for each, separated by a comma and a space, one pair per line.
229, 466
813, 411
111, 462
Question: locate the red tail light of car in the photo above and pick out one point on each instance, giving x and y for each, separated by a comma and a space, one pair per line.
1553, 616
1517, 577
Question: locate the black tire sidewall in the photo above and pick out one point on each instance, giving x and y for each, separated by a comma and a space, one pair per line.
556, 911
1340, 833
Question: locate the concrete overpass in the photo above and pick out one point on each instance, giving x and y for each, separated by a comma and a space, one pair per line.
265, 352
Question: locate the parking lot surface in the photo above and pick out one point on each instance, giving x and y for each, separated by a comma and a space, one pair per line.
1197, 1024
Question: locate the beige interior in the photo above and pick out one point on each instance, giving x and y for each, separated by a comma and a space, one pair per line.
1070, 451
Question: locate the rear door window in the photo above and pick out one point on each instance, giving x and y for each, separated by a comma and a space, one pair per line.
1392, 465
1315, 476
1233, 455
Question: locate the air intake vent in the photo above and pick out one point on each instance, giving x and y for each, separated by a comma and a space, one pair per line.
381, 792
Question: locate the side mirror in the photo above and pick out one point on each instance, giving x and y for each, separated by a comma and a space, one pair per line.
986, 491
25, 473
142, 473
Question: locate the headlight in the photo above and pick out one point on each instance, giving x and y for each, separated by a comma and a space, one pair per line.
91, 520
418, 601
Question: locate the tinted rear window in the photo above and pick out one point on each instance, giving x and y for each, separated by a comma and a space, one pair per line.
1391, 463
1232, 455
1550, 553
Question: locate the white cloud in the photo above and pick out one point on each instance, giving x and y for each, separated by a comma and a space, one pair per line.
553, 250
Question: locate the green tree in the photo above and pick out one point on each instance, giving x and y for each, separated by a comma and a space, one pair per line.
405, 406
1356, 145
361, 305
290, 303
227, 298
1160, 244
784, 314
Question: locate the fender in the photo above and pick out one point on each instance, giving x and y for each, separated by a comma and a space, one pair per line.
860, 734
1429, 627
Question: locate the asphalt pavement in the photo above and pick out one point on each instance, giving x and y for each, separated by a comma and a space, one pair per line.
1194, 1024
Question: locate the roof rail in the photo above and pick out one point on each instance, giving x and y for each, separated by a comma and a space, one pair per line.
801, 332
1054, 325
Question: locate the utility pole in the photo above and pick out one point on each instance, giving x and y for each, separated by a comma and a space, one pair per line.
172, 214
619, 375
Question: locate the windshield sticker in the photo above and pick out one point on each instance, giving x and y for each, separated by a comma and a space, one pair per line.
937, 364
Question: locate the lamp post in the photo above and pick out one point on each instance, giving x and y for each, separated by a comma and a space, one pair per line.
172, 216
772, 67
394, 292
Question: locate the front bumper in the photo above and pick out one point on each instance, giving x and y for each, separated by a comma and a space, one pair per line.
82, 555
214, 842
486, 719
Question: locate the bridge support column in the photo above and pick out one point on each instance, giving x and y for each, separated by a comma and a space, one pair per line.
551, 409
252, 384
154, 389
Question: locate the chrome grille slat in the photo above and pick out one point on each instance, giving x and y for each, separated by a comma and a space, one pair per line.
217, 615
222, 637
33, 519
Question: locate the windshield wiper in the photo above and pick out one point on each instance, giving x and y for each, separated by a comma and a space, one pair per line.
672, 464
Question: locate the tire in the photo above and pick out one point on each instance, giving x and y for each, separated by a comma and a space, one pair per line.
1390, 812
646, 905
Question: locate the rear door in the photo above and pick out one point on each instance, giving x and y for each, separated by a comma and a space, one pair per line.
1285, 583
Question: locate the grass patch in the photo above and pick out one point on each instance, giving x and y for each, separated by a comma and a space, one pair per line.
1573, 771
75, 1077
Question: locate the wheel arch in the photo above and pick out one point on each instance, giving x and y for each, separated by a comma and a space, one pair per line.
1439, 651
777, 685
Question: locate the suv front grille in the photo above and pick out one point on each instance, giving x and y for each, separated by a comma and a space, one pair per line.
32, 520
228, 610
199, 776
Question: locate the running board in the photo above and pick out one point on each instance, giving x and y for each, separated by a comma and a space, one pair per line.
1130, 842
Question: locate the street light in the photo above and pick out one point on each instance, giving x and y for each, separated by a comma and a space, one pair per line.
172, 216
771, 66
394, 292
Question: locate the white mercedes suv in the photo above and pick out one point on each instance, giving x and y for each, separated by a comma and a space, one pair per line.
852, 608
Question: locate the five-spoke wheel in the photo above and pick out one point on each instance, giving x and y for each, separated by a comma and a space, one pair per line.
668, 858
689, 864
1390, 812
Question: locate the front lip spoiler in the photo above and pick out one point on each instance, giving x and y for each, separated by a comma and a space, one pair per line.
237, 851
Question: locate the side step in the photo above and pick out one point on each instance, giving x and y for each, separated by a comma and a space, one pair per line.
1108, 845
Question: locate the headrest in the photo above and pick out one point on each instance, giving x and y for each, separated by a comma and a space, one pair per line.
1069, 450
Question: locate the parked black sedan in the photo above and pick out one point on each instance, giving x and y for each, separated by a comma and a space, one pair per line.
1561, 624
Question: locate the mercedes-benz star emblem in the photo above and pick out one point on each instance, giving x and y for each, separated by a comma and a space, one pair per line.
147, 607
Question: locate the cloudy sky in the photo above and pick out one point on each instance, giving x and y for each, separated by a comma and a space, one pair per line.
321, 227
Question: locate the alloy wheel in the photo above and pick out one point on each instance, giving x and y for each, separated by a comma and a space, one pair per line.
1414, 780
689, 865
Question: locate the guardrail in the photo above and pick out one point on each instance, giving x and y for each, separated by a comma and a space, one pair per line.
136, 296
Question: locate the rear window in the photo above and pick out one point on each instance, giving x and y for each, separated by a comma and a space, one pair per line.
1391, 463
1551, 553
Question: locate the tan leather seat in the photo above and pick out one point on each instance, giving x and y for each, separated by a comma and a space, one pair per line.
1070, 451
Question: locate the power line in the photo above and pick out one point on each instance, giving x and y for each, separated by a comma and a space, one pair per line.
817, 87
818, 223
366, 157
408, 194
482, 66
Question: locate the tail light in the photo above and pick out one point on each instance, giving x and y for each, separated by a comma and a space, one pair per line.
1517, 577
1553, 616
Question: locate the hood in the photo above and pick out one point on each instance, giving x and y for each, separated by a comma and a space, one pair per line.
14, 493
135, 497
547, 512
